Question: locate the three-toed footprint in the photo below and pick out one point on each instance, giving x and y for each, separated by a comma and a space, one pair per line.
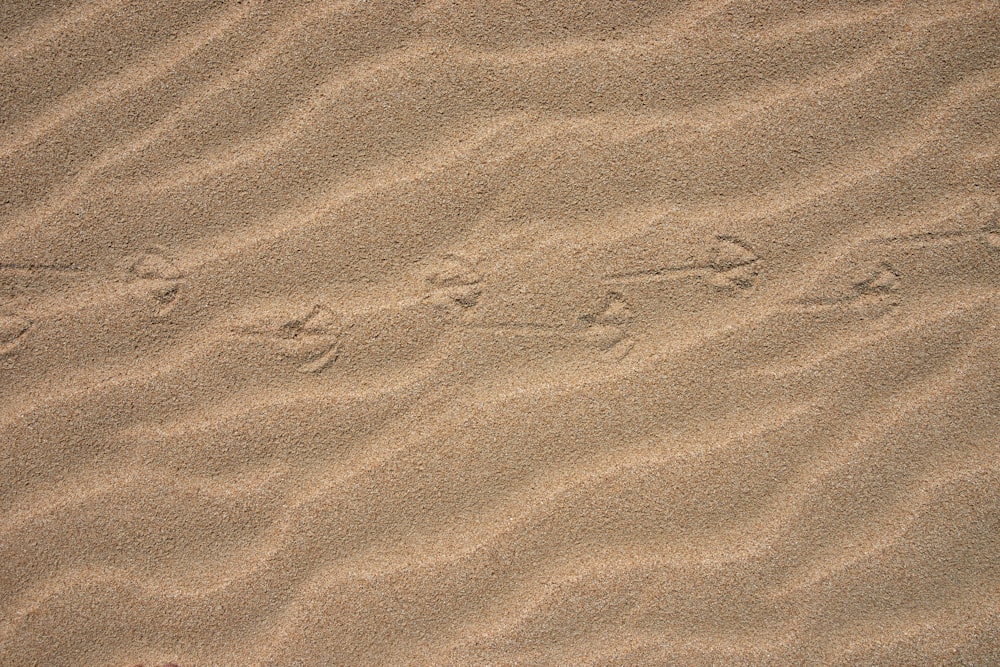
726, 263
453, 284
162, 278
311, 340
607, 328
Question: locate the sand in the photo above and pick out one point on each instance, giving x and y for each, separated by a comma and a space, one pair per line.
492, 333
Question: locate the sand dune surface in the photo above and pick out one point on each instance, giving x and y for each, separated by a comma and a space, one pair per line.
499, 333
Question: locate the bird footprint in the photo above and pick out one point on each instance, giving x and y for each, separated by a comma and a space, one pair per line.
453, 283
163, 278
605, 329
311, 339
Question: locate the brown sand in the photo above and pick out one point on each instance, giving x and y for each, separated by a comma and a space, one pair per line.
495, 333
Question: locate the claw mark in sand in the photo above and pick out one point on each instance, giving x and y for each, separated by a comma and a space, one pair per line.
310, 338
730, 264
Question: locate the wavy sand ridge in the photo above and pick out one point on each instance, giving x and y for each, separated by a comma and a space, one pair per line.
449, 333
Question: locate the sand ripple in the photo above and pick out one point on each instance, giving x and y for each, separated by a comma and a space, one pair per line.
458, 333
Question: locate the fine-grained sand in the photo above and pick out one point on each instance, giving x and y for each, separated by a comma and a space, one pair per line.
494, 333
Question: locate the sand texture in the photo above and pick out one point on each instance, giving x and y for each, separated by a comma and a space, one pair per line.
469, 333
